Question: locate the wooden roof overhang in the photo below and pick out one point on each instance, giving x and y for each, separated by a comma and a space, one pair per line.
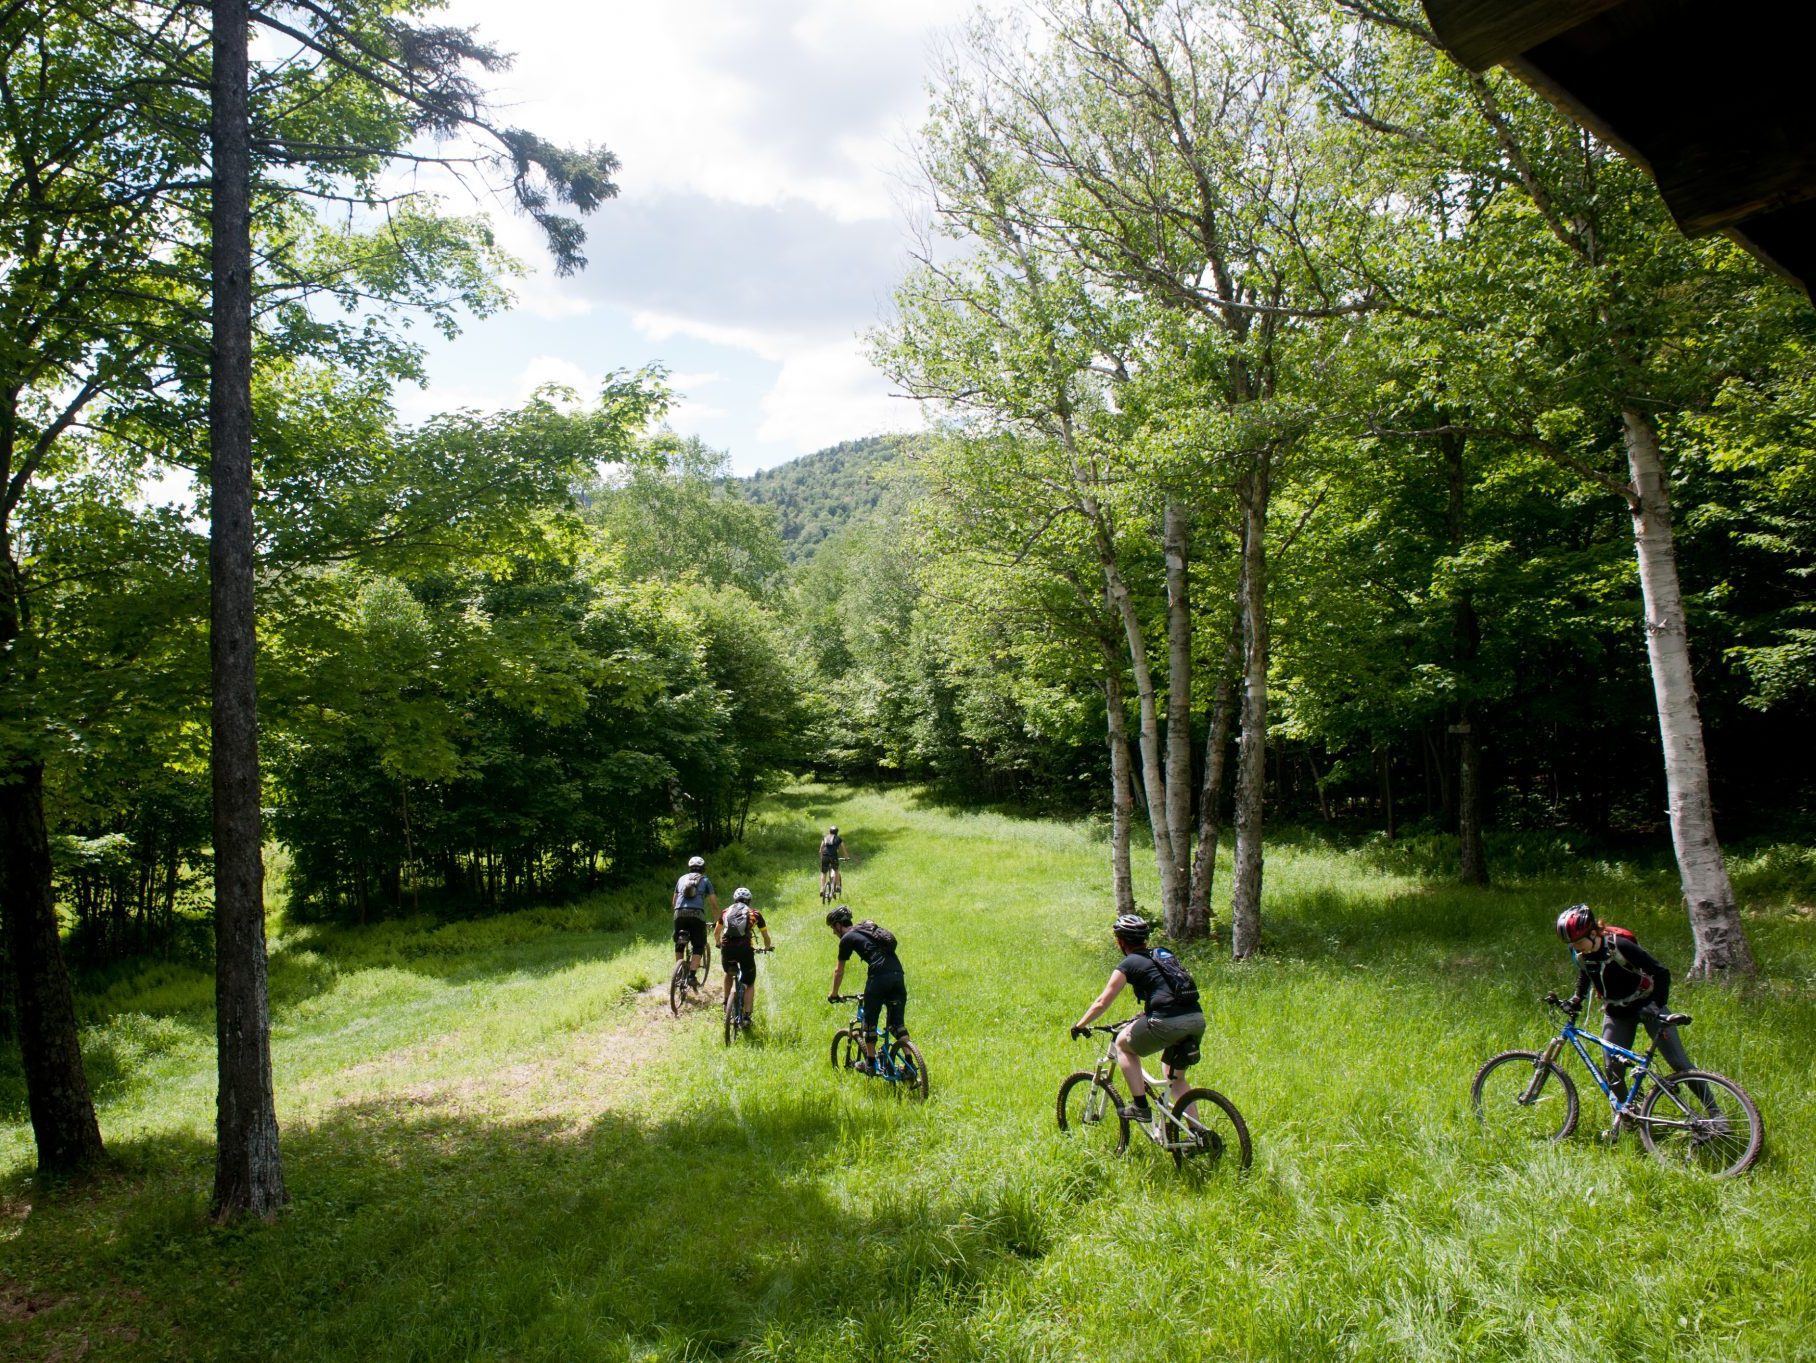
1713, 99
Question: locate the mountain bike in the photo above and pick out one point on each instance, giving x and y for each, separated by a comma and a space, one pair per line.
832, 884
898, 1063
1202, 1126
685, 980
1694, 1118
736, 1019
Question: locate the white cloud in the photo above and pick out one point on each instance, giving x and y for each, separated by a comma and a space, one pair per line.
826, 394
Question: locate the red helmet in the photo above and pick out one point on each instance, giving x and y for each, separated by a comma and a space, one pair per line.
1576, 922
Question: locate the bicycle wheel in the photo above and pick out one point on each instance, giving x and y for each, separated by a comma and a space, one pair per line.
1702, 1121
706, 963
678, 985
1524, 1094
910, 1070
1207, 1130
846, 1051
1086, 1105
730, 1010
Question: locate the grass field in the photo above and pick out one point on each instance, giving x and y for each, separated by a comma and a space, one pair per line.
501, 1147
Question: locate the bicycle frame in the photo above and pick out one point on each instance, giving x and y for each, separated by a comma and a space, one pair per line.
1622, 1108
887, 1064
1107, 1071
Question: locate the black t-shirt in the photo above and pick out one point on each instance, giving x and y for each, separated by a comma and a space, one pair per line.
1151, 987
876, 954
830, 846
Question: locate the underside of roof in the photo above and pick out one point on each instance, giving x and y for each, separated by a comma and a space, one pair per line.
1712, 99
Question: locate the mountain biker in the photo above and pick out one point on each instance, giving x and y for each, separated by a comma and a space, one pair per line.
885, 986
734, 932
1632, 985
1171, 1020
694, 895
832, 852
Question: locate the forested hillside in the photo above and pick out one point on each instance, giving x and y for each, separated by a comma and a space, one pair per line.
818, 494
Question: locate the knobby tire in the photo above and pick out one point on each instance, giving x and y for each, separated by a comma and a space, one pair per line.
1217, 1129
1505, 1100
1720, 1146
1074, 1093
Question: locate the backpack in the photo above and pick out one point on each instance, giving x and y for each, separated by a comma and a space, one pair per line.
689, 888
1618, 938
736, 920
1179, 981
830, 844
880, 934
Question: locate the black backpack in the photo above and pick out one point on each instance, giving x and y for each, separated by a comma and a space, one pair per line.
1180, 983
879, 934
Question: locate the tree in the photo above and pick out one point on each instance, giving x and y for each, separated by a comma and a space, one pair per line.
1566, 314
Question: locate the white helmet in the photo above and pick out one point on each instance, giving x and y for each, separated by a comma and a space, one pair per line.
696, 863
741, 895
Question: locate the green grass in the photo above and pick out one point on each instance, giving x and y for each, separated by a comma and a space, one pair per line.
500, 1146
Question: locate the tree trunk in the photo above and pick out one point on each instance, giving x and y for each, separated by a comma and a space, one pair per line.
1199, 920
1122, 796
1251, 768
56, 1085
1384, 764
1466, 642
1721, 939
1176, 538
1152, 780
1472, 861
248, 1173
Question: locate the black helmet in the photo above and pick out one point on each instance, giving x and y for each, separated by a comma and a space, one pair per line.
1576, 922
839, 917
696, 863
741, 895
1132, 926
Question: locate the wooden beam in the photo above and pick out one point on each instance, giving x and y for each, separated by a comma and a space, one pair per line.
1485, 33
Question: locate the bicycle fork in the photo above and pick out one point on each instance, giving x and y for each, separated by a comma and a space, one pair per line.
1547, 1058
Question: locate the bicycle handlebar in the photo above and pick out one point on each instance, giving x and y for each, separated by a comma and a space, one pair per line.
1112, 1027
845, 998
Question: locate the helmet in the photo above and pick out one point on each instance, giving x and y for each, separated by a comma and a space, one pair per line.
696, 863
839, 917
1131, 925
741, 895
833, 829
1575, 922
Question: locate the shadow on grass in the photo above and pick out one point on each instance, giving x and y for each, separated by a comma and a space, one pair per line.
417, 1233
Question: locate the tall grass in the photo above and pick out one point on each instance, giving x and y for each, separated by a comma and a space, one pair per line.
501, 1147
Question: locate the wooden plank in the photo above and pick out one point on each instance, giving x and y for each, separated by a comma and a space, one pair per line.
1484, 33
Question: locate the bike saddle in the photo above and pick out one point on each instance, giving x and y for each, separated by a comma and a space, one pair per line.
1673, 1019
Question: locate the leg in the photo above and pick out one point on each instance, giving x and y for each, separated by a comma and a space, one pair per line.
1130, 1065
1618, 1032
1671, 1047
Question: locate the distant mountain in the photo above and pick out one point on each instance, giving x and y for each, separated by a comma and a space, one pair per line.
821, 492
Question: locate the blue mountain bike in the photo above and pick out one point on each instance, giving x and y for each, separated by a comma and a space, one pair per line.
1694, 1118
898, 1063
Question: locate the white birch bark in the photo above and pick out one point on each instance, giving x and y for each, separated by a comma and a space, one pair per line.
1721, 939
1175, 533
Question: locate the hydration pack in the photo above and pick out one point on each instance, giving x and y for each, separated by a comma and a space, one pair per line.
688, 889
1615, 939
1180, 983
736, 922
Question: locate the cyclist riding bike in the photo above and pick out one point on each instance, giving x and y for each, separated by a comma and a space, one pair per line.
694, 896
1631, 983
734, 933
885, 984
1171, 1021
832, 852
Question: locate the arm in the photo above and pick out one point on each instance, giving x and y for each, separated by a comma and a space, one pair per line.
1651, 965
1105, 999
718, 931
1581, 991
838, 974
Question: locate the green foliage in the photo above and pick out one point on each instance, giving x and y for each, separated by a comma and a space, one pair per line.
816, 495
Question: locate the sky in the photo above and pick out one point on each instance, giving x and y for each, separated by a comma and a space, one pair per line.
760, 225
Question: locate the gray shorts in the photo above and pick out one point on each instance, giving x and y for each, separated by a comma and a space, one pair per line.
1148, 1034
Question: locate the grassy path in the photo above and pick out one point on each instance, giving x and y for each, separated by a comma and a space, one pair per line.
501, 1146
